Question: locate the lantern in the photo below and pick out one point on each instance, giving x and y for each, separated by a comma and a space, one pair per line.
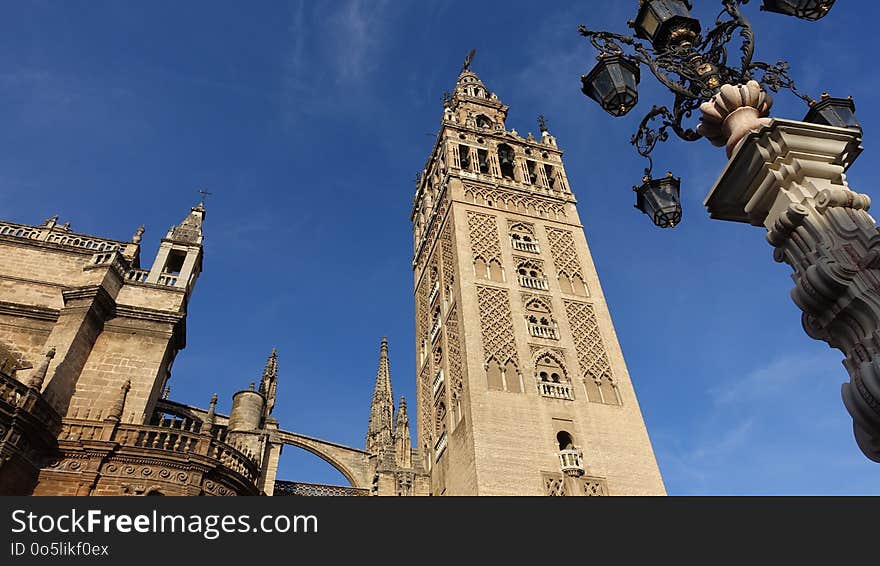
613, 83
804, 9
660, 199
838, 112
666, 22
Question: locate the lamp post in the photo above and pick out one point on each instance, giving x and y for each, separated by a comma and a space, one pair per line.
787, 176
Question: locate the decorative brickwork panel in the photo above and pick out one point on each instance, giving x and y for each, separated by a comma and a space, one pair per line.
594, 487
554, 485
515, 201
497, 325
453, 350
447, 257
483, 230
289, 488
563, 252
592, 356
425, 405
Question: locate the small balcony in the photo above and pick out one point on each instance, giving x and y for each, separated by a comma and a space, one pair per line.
556, 390
523, 246
539, 283
440, 447
169, 279
435, 290
572, 462
438, 382
543, 331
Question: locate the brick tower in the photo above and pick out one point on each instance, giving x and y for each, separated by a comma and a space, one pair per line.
522, 387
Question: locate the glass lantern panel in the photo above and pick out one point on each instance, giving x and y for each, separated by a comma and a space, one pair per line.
602, 84
650, 23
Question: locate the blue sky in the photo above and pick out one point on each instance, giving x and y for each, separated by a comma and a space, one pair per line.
308, 121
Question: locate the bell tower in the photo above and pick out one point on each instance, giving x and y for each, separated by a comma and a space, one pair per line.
522, 387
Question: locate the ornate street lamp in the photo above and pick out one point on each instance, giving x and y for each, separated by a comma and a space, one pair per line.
803, 9
694, 65
613, 83
659, 199
665, 21
786, 176
838, 112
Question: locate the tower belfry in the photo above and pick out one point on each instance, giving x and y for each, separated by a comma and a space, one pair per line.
521, 383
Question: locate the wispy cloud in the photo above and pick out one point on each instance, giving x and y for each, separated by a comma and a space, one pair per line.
331, 49
764, 429
360, 25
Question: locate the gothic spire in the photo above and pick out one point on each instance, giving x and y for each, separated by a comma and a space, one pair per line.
402, 438
190, 230
269, 381
381, 424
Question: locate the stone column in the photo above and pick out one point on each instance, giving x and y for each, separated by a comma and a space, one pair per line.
789, 177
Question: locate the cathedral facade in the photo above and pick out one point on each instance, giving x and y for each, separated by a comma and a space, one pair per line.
521, 384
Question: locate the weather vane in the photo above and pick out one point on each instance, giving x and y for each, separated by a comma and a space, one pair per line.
468, 59
542, 123
205, 194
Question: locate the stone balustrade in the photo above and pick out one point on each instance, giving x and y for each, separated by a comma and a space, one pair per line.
440, 446
59, 236
543, 331
435, 290
539, 283
572, 462
435, 330
556, 390
171, 437
438, 382
531, 247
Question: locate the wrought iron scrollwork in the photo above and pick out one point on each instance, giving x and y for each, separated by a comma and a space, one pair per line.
694, 70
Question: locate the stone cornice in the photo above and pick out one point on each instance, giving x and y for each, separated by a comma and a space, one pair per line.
29, 311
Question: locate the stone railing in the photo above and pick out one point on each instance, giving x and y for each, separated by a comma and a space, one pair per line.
62, 237
522, 246
292, 488
168, 279
556, 390
533, 282
435, 330
438, 382
435, 290
542, 331
168, 436
20, 397
572, 462
440, 446
137, 275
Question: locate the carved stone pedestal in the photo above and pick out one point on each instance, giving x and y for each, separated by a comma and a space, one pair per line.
789, 177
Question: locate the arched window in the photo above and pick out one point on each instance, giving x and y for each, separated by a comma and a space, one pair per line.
440, 419
483, 121
522, 238
540, 320
531, 275
506, 161
494, 377
512, 379
573, 284
563, 438
552, 379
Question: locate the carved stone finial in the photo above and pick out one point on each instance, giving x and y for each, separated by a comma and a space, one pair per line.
138, 234
115, 412
211, 417
734, 112
39, 375
167, 392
